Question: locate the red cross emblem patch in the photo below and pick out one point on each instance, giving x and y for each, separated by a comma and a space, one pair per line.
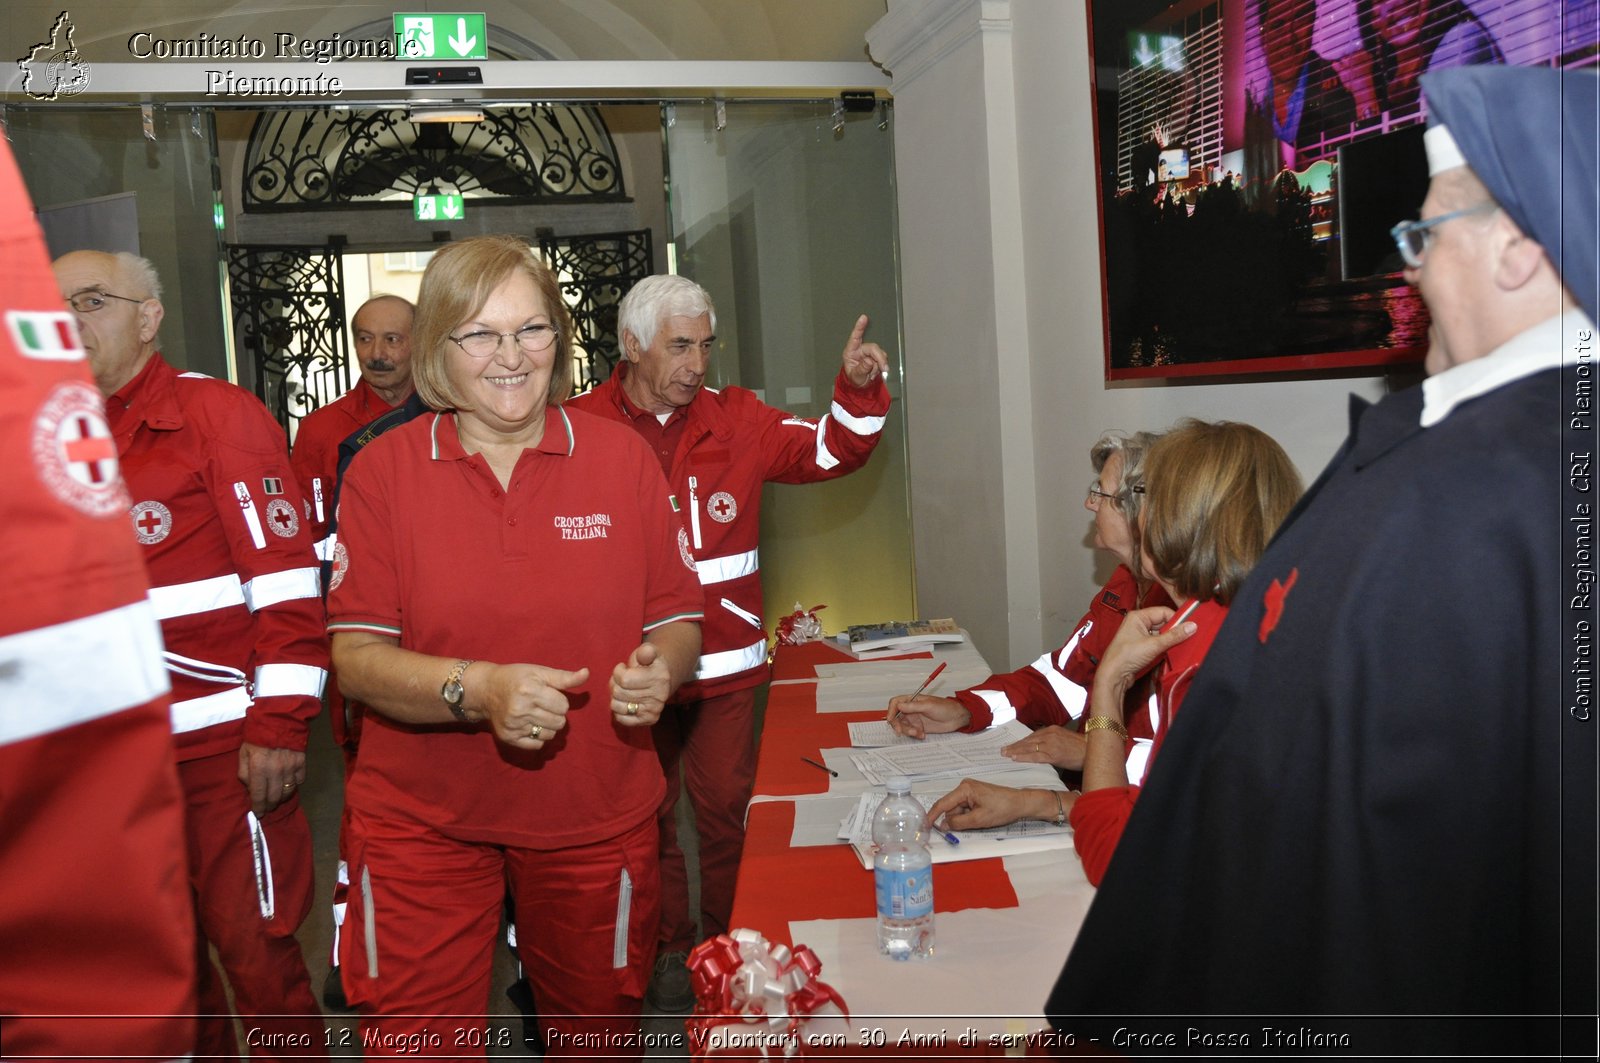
152, 522
722, 507
74, 452
282, 519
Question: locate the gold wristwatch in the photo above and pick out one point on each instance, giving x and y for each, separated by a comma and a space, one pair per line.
452, 692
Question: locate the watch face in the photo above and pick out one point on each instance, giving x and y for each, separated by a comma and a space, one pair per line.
452, 692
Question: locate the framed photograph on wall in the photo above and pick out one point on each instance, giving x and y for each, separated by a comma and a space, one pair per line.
1252, 156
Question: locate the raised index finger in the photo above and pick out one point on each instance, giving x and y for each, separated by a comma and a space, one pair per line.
856, 333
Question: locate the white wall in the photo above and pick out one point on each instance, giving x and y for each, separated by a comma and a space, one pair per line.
966, 73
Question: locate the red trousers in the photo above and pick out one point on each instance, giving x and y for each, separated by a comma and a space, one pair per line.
260, 955
420, 935
95, 914
712, 742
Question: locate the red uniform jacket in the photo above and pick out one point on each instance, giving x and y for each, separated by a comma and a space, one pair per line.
316, 448
233, 577
733, 444
91, 817
1055, 688
1098, 816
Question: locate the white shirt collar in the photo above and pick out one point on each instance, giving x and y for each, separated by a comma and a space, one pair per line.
1534, 350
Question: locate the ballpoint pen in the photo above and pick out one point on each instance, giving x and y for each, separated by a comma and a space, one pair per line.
931, 677
824, 767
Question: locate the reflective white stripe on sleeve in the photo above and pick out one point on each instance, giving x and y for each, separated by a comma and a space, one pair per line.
861, 426
1073, 698
730, 566
201, 596
1153, 707
251, 518
210, 710
999, 704
59, 676
825, 458
287, 680
1138, 757
273, 587
325, 546
731, 662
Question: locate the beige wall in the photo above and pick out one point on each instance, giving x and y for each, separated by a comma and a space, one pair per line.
1001, 288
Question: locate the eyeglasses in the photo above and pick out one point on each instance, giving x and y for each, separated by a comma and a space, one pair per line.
1095, 495
1413, 237
531, 338
89, 302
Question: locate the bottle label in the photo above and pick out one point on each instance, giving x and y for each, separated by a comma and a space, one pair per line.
905, 894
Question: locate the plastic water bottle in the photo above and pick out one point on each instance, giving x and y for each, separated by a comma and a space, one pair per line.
903, 874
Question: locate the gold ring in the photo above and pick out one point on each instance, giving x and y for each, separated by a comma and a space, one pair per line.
1038, 748
633, 708
535, 731
288, 786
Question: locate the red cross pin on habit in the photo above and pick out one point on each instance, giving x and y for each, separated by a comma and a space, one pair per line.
1272, 603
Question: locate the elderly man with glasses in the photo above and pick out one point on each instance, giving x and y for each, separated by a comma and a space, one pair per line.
234, 581
1380, 801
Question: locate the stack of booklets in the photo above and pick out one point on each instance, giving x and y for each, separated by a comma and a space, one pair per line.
901, 636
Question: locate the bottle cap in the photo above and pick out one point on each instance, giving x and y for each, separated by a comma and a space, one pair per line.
899, 784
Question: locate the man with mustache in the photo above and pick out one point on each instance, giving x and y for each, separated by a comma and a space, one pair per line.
381, 329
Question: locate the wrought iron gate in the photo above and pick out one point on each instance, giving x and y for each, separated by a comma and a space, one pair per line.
289, 325
596, 271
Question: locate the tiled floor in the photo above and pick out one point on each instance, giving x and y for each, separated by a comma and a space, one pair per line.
322, 798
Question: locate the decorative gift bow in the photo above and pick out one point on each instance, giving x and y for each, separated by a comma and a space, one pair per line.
799, 626
742, 976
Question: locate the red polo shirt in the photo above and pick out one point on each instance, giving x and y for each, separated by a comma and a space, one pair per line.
570, 568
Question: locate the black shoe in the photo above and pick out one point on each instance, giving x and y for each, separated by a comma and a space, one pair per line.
333, 997
520, 993
670, 988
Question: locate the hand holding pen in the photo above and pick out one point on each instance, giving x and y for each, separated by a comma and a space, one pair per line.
916, 716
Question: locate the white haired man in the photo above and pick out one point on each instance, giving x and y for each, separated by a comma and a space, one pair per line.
717, 448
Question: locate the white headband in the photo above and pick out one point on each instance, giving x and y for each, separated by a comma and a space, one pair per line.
1443, 154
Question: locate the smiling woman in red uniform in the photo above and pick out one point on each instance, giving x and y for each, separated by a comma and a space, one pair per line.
518, 606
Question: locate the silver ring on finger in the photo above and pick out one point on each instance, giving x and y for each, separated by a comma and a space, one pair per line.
535, 731
632, 708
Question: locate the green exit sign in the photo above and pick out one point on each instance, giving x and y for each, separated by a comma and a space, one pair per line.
458, 35
436, 208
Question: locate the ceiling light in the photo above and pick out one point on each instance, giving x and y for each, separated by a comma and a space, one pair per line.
444, 112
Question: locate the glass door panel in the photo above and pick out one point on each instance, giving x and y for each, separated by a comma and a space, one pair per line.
107, 176
790, 224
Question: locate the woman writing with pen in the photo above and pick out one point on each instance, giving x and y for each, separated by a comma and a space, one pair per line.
1051, 694
1215, 495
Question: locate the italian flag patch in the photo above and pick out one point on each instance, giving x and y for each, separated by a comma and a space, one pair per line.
49, 336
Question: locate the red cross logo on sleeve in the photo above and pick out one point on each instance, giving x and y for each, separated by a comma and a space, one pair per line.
148, 523
282, 518
74, 452
91, 454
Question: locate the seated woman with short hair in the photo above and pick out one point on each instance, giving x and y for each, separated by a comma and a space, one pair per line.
1214, 495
